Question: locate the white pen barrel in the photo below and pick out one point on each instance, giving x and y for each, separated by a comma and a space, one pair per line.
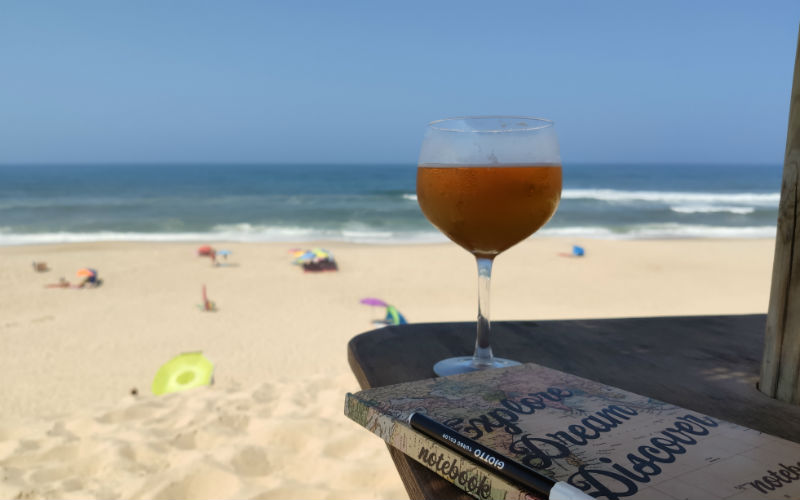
564, 491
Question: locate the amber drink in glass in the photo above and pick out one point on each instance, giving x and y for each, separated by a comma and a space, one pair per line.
488, 183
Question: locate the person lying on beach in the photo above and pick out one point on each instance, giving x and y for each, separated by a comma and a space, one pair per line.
62, 283
90, 280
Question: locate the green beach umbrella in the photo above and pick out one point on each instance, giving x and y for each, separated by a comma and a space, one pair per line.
187, 370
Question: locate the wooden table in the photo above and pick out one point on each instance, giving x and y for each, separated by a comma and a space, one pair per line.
709, 364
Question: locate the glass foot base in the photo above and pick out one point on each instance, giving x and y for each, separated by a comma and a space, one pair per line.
466, 364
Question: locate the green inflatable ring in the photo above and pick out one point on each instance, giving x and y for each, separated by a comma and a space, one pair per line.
185, 371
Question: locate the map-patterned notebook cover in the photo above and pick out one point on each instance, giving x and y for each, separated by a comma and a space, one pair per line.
605, 441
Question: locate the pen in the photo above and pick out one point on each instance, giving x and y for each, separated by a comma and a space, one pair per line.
499, 464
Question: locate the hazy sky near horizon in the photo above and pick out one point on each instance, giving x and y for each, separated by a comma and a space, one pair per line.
247, 81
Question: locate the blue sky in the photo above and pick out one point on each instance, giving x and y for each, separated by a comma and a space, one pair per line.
245, 81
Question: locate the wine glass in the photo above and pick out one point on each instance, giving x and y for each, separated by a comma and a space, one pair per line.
487, 183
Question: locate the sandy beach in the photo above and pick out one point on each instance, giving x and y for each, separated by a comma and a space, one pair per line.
272, 424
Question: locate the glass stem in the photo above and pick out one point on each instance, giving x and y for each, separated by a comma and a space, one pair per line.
483, 351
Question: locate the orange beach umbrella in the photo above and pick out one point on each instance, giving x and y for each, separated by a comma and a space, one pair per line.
86, 272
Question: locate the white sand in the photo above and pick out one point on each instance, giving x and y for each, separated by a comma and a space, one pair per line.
272, 425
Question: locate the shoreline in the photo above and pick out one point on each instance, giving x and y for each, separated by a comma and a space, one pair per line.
323, 242
590, 233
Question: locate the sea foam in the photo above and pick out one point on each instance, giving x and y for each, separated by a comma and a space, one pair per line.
243, 233
710, 209
672, 197
659, 231
253, 233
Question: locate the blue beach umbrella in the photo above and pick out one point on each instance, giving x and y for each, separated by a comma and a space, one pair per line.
307, 256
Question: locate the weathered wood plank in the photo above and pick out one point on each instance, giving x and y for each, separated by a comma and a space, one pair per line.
706, 363
780, 371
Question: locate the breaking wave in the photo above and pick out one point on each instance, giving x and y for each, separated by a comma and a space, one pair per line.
672, 197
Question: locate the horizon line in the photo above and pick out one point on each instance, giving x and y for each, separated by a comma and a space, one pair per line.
354, 163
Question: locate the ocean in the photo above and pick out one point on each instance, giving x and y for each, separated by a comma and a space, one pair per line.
362, 203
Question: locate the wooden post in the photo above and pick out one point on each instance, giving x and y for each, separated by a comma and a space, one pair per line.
780, 367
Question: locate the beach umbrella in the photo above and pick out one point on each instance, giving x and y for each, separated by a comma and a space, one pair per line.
86, 273
306, 256
371, 301
185, 371
393, 316
205, 250
224, 253
577, 251
321, 253
296, 254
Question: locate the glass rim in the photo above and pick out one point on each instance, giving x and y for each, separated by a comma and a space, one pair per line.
545, 123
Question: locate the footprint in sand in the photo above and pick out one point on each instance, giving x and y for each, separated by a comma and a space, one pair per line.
65, 452
59, 429
251, 461
236, 422
50, 475
264, 394
241, 404
12, 474
185, 440
205, 481
141, 457
42, 319
201, 439
140, 410
295, 490
27, 494
71, 484
348, 446
27, 445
